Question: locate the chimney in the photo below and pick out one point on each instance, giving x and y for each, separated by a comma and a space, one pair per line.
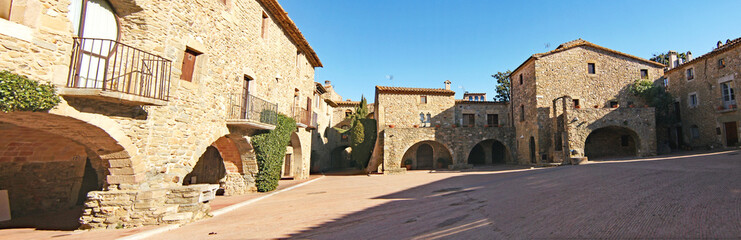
673, 59
719, 44
327, 83
447, 84
688, 55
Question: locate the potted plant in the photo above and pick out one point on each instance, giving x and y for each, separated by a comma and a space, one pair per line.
437, 125
416, 126
391, 126
596, 106
442, 163
500, 125
470, 125
631, 106
646, 106
408, 164
455, 125
577, 106
486, 125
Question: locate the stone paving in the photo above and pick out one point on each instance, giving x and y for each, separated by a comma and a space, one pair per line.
694, 196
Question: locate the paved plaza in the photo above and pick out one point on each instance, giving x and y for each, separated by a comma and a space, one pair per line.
694, 196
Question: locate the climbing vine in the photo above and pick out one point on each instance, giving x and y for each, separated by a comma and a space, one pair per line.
270, 149
18, 93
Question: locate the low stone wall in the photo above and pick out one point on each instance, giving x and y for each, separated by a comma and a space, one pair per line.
458, 140
131, 208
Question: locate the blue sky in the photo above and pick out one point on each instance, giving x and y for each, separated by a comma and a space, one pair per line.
423, 43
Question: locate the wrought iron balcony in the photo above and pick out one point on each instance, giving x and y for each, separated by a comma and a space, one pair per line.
250, 111
112, 71
302, 116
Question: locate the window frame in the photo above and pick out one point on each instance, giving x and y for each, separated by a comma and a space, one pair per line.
9, 11
721, 63
644, 73
690, 98
192, 74
423, 99
490, 117
264, 27
471, 117
690, 73
591, 68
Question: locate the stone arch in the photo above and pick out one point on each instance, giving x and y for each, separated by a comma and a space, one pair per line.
340, 158
489, 151
612, 141
439, 151
293, 160
100, 135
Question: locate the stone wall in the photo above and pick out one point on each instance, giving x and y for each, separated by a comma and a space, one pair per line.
154, 147
710, 115
459, 141
481, 110
524, 111
640, 123
403, 110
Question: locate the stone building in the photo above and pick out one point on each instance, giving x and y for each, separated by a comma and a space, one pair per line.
574, 101
159, 104
426, 128
474, 96
705, 98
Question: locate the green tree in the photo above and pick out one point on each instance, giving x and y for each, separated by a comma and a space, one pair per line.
503, 86
361, 111
656, 96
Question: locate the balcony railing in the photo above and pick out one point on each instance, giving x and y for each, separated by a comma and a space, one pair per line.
302, 116
114, 67
726, 105
244, 109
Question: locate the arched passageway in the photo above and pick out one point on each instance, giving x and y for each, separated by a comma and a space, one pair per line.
427, 155
226, 162
209, 169
488, 152
340, 158
608, 142
47, 177
292, 160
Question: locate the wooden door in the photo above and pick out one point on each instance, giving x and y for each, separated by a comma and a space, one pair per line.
189, 63
532, 150
287, 166
731, 134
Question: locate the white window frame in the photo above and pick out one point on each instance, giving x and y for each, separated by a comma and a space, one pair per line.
687, 75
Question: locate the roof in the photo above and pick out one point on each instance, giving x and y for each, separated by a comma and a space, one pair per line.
292, 30
474, 94
439, 91
579, 43
479, 102
320, 88
348, 103
725, 47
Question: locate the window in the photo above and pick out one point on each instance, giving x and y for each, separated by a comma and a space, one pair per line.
522, 113
189, 64
422, 117
348, 113
423, 99
5, 9
591, 68
558, 146
690, 73
624, 140
469, 119
470, 98
644, 73
520, 78
298, 58
492, 119
666, 82
694, 132
576, 103
727, 92
693, 100
614, 104
264, 29
721, 63
429, 118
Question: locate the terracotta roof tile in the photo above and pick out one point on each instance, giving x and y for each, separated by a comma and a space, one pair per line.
414, 90
481, 102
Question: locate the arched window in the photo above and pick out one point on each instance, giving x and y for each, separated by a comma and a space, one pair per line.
428, 117
93, 19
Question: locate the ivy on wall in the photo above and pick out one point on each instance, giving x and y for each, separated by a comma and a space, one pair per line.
270, 150
18, 93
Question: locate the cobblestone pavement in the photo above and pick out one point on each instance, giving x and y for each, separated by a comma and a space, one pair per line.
695, 196
676, 197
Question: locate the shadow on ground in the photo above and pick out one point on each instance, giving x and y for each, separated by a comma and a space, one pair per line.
687, 197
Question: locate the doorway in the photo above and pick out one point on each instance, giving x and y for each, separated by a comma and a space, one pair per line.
731, 133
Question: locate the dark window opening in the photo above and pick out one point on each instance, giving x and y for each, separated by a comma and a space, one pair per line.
520, 78
613, 104
591, 69
717, 131
492, 119
721, 63
624, 140
644, 73
558, 142
348, 113
576, 103
469, 119
690, 74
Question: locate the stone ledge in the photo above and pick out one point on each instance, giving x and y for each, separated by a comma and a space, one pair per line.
109, 96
